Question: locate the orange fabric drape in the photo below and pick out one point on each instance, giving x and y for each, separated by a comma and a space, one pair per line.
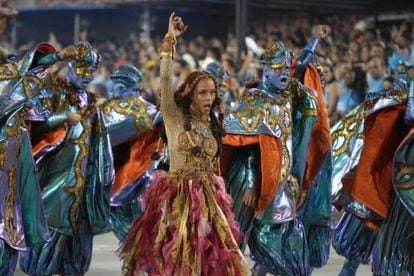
139, 160
372, 182
46, 139
271, 162
320, 142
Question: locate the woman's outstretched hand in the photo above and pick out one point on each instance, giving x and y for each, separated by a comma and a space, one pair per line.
176, 25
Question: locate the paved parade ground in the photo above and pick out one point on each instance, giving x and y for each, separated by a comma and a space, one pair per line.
106, 263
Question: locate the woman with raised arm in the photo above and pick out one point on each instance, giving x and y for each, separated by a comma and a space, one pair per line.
187, 227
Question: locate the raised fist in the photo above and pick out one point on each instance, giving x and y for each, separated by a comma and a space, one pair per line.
69, 52
321, 31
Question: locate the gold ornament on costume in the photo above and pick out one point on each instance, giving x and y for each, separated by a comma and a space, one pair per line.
349, 126
81, 67
201, 136
10, 220
77, 190
276, 57
168, 46
9, 71
256, 114
32, 85
210, 146
130, 107
404, 177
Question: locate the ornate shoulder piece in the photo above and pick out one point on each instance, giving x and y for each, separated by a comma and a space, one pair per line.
133, 107
168, 46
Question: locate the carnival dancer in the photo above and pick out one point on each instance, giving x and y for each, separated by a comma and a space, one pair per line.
21, 214
315, 205
264, 163
364, 145
393, 251
76, 177
187, 227
134, 125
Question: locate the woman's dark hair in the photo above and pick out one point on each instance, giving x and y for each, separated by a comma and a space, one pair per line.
360, 84
390, 79
183, 100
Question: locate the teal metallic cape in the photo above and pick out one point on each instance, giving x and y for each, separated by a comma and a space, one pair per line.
352, 237
315, 204
316, 215
394, 252
76, 179
134, 131
277, 239
21, 209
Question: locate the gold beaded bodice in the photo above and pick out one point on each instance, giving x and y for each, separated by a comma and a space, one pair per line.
198, 145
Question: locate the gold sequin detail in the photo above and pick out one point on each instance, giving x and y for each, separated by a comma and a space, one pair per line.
10, 221
77, 190
9, 71
304, 100
210, 146
131, 107
202, 136
32, 85
168, 46
402, 172
81, 68
254, 115
349, 126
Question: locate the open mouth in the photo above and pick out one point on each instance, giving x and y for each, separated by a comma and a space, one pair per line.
284, 80
207, 107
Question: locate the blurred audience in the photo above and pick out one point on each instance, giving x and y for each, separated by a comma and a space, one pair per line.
356, 58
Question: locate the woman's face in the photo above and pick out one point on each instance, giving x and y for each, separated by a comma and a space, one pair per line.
204, 95
328, 74
349, 78
387, 84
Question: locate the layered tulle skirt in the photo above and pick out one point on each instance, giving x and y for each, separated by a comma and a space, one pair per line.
187, 228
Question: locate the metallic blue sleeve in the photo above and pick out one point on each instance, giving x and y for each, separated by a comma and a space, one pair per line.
243, 173
49, 59
305, 58
57, 119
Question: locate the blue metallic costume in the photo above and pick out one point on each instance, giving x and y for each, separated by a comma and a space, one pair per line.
76, 176
366, 144
133, 123
267, 141
393, 253
22, 218
315, 201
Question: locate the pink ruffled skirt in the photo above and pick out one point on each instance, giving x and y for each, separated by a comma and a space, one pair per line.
187, 228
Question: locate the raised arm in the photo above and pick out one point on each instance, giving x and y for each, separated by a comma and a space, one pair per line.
306, 55
175, 28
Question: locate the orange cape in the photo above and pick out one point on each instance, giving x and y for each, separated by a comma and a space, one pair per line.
371, 184
271, 162
139, 161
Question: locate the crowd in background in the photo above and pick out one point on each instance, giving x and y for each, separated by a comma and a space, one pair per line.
356, 58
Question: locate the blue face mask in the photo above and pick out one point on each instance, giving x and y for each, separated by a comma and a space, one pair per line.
80, 82
276, 81
121, 91
127, 81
